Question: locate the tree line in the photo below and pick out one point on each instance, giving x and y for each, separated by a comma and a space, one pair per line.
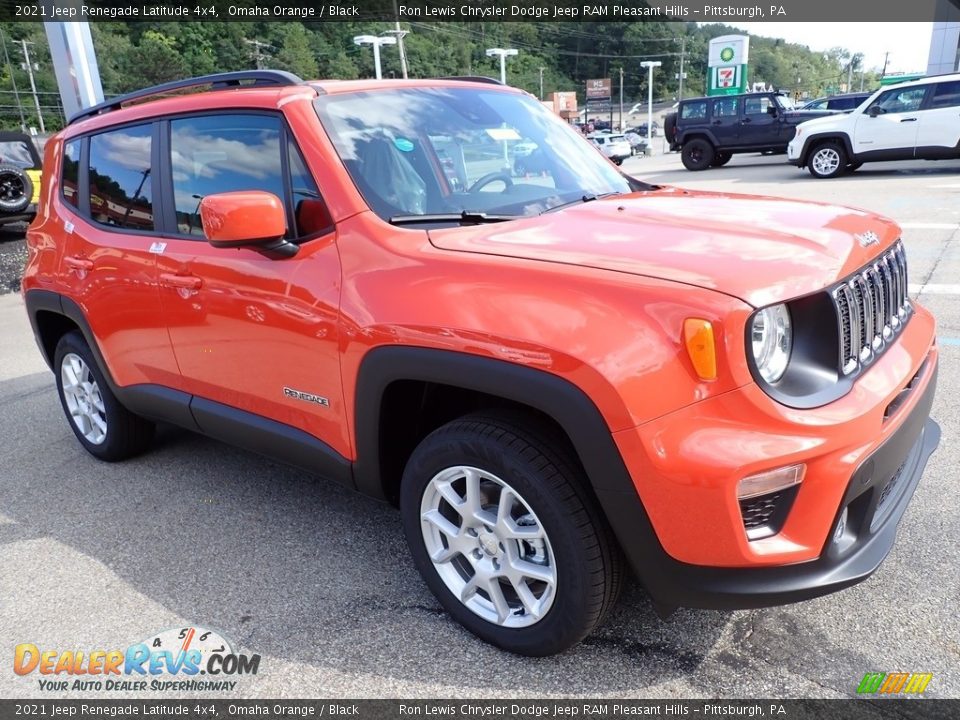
560, 55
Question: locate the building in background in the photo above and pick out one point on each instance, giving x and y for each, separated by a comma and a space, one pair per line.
945, 40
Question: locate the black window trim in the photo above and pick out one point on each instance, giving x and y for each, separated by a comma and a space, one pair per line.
164, 215
81, 181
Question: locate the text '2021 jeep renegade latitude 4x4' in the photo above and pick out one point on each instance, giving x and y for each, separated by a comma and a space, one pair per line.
548, 374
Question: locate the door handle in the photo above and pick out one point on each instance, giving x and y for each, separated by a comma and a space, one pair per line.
746, 120
908, 120
78, 263
186, 282
717, 122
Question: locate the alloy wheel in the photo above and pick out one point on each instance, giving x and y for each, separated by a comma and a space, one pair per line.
826, 160
81, 393
488, 546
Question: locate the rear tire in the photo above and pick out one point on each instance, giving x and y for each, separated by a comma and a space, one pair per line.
458, 483
105, 428
827, 159
697, 154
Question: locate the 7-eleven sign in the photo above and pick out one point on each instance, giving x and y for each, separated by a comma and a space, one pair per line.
727, 77
726, 80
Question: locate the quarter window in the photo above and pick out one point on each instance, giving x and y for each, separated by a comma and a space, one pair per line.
946, 95
310, 213
222, 153
71, 172
121, 192
694, 110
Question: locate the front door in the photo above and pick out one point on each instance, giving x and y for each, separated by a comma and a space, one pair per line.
760, 122
251, 332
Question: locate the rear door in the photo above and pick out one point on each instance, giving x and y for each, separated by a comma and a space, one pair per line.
891, 131
109, 259
725, 120
938, 134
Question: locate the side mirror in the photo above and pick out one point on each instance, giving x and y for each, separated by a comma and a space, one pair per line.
246, 218
772, 109
874, 110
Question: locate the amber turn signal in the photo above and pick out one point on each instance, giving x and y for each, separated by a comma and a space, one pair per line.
698, 337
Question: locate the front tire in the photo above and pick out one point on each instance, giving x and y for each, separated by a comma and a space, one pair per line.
697, 154
105, 428
721, 159
505, 535
827, 160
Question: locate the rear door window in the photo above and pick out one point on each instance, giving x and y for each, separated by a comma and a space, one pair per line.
946, 95
121, 191
71, 173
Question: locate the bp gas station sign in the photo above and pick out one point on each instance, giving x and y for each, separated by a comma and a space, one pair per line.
727, 65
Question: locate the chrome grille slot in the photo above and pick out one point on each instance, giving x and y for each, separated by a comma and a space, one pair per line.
872, 307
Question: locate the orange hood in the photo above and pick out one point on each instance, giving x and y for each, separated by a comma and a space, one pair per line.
759, 249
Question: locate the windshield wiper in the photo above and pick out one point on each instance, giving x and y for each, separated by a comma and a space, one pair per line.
585, 198
465, 216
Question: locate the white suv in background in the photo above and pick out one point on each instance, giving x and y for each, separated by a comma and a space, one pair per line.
616, 147
919, 120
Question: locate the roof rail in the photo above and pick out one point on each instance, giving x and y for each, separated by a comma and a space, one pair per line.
473, 78
219, 81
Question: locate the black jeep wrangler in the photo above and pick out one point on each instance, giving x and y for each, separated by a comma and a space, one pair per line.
709, 130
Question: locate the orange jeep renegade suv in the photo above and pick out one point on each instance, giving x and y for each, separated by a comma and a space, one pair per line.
549, 373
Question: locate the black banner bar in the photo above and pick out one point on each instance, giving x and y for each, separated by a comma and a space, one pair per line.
593, 709
482, 10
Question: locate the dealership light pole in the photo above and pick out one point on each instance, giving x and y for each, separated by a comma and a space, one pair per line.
376, 41
650, 65
28, 66
503, 54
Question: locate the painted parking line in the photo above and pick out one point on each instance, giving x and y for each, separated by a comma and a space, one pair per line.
935, 289
929, 226
948, 341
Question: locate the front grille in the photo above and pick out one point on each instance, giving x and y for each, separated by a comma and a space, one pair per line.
872, 307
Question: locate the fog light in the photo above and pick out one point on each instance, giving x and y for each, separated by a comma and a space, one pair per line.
841, 527
771, 481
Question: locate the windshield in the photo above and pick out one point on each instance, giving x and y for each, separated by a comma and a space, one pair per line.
786, 102
436, 151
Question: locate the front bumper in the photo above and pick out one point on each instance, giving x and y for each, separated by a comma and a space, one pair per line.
869, 536
794, 152
686, 467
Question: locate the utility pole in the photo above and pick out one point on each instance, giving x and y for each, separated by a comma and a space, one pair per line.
621, 99
257, 45
683, 54
650, 65
886, 59
16, 94
399, 34
541, 81
33, 86
850, 75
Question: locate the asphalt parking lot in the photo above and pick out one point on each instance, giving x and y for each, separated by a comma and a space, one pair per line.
317, 580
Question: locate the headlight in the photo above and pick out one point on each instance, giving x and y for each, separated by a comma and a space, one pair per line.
771, 338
